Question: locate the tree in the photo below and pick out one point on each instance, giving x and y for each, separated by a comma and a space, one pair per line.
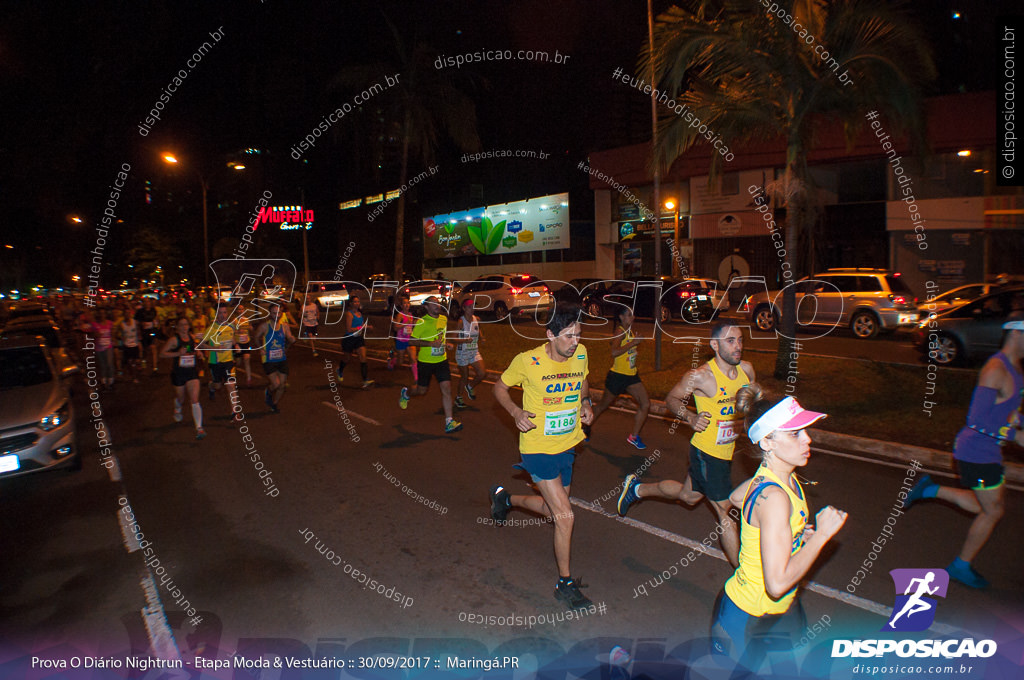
748, 75
151, 249
423, 103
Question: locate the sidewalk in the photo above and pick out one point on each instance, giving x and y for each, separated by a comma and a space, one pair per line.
890, 452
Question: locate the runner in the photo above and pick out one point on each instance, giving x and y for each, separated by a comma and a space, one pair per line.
129, 338
778, 547
623, 377
556, 399
103, 330
994, 418
714, 387
146, 316
467, 353
273, 337
354, 342
310, 322
243, 341
403, 332
181, 347
432, 360
218, 343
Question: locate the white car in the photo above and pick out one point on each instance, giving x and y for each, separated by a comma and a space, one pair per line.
506, 294
716, 292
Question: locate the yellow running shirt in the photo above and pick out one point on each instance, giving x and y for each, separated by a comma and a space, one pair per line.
717, 440
429, 328
746, 586
221, 335
625, 363
551, 391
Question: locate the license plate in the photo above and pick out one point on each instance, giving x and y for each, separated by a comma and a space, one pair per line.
907, 318
534, 294
702, 297
10, 463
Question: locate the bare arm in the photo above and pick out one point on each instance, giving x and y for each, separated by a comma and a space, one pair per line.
522, 418
737, 495
586, 404
618, 350
695, 379
783, 569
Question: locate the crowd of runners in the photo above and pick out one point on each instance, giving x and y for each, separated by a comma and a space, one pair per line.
767, 530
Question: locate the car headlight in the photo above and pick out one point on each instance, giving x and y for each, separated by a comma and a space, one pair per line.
56, 419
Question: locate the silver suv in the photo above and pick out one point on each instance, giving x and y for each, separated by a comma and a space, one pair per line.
506, 294
866, 300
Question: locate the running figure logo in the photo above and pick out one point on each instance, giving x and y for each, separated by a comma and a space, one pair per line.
914, 610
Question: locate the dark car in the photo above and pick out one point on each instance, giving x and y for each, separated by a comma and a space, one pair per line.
679, 299
970, 331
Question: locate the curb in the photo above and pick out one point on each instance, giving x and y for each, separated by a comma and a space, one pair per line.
884, 451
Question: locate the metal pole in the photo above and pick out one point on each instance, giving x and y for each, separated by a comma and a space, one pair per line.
305, 249
206, 242
657, 188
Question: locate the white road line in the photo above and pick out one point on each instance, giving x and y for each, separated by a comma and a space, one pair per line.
161, 638
334, 407
827, 591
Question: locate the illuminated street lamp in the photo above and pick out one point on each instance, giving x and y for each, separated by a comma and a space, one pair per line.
671, 204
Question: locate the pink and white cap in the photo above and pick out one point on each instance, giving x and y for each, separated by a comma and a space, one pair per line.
786, 415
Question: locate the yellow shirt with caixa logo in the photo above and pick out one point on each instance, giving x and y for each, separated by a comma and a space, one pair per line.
551, 391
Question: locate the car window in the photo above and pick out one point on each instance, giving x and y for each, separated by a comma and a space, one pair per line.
868, 284
48, 334
522, 281
23, 367
896, 284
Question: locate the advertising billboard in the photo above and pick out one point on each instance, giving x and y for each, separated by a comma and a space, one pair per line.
540, 223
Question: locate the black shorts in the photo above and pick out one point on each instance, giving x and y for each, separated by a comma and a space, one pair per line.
147, 337
131, 353
617, 383
352, 343
308, 331
977, 476
710, 476
221, 370
440, 370
275, 367
180, 376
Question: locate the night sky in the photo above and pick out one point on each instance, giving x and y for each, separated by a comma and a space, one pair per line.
77, 80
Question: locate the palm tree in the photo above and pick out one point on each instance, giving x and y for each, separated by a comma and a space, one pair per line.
425, 103
750, 76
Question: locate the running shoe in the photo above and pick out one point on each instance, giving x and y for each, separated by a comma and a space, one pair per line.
212, 392
267, 399
500, 503
917, 493
367, 384
403, 399
200, 433
459, 403
315, 353
569, 593
274, 408
628, 495
966, 575
470, 393
452, 426
341, 378
635, 440
177, 414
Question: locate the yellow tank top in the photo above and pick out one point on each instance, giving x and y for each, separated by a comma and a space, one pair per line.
746, 586
625, 363
718, 438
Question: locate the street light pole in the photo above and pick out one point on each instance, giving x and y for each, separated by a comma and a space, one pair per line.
657, 189
206, 240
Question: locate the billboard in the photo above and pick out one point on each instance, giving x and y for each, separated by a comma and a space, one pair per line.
540, 223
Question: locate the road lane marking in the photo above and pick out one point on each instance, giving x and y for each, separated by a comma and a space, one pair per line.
334, 407
827, 591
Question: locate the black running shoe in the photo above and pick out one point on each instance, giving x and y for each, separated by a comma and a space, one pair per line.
500, 503
569, 593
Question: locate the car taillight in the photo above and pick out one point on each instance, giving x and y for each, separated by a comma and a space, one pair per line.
685, 293
517, 291
899, 299
744, 305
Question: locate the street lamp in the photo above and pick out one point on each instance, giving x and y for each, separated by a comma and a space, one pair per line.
670, 204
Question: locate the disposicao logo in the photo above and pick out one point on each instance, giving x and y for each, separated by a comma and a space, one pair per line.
913, 611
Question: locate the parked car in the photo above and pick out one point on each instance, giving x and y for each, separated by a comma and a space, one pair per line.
509, 294
717, 293
866, 300
956, 297
327, 293
679, 299
48, 330
971, 331
37, 421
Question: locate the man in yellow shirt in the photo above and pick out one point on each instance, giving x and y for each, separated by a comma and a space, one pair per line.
220, 342
556, 402
715, 429
428, 335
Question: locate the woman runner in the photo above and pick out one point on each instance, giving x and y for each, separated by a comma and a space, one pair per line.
777, 545
624, 377
181, 347
467, 353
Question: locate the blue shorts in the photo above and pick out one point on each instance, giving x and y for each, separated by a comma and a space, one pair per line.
401, 345
542, 466
733, 630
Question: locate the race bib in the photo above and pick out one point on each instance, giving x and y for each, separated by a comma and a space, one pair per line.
560, 422
147, 324
243, 337
632, 358
470, 346
437, 351
187, 361
726, 432
275, 355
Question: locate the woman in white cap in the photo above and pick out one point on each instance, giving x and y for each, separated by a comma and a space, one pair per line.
777, 544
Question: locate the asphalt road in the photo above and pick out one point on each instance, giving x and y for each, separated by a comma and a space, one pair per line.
258, 567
